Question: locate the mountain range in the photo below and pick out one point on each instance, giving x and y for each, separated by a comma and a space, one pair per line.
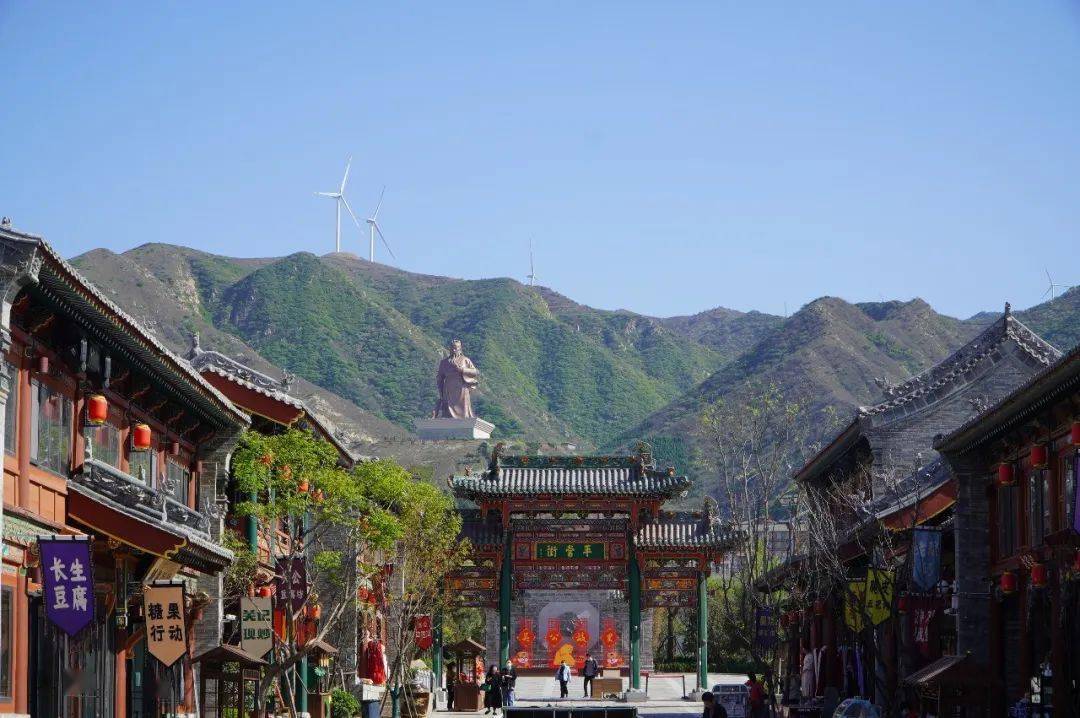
364, 340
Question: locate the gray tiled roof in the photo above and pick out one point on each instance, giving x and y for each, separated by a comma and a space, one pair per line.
682, 531
964, 360
143, 343
560, 479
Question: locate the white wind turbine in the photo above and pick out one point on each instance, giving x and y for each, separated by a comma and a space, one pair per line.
1052, 289
531, 276
373, 227
339, 199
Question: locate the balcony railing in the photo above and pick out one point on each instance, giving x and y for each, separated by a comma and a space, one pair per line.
136, 496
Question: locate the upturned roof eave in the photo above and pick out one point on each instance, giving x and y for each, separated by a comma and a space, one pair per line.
1018, 406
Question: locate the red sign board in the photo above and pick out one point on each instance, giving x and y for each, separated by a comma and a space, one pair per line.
422, 627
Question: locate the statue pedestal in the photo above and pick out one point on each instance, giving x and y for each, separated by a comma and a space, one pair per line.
440, 429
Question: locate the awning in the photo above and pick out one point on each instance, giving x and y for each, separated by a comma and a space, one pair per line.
467, 647
323, 647
947, 670
225, 653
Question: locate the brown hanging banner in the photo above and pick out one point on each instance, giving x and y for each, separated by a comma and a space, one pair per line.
166, 635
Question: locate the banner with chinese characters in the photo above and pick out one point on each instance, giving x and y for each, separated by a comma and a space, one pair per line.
853, 605
422, 631
926, 558
68, 591
879, 595
256, 626
560, 550
166, 637
291, 582
764, 629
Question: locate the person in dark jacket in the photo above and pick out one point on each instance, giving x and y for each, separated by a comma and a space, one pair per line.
509, 680
492, 690
712, 706
589, 670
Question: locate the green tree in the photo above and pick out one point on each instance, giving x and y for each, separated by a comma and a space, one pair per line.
328, 514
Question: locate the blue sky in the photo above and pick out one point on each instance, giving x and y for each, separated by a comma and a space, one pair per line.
667, 157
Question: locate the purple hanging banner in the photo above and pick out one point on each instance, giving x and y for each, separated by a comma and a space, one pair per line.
1076, 492
292, 582
67, 570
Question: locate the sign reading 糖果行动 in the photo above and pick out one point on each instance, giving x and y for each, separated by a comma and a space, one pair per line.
166, 632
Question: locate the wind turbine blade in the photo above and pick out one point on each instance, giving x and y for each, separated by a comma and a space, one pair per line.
383, 238
327, 194
379, 205
352, 214
345, 179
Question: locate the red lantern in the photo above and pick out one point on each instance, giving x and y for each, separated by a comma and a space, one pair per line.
1076, 561
1007, 583
1005, 475
42, 364
1074, 433
314, 611
97, 409
140, 437
264, 592
819, 607
1038, 575
1038, 456
902, 604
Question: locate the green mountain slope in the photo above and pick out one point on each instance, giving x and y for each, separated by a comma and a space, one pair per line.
828, 354
551, 369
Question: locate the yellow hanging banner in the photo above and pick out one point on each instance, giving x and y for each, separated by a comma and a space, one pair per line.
854, 605
879, 595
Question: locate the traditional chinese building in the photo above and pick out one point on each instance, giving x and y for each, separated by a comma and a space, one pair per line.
115, 445
1017, 467
572, 553
274, 409
880, 485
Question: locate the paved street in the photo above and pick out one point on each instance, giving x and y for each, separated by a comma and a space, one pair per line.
665, 693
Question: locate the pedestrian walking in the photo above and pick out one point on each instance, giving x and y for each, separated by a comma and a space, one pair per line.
756, 697
588, 672
562, 675
509, 681
492, 691
451, 684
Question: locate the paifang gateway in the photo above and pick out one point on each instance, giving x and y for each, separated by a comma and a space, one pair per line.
572, 553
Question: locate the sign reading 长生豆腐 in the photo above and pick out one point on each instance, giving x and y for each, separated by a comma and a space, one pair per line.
68, 590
